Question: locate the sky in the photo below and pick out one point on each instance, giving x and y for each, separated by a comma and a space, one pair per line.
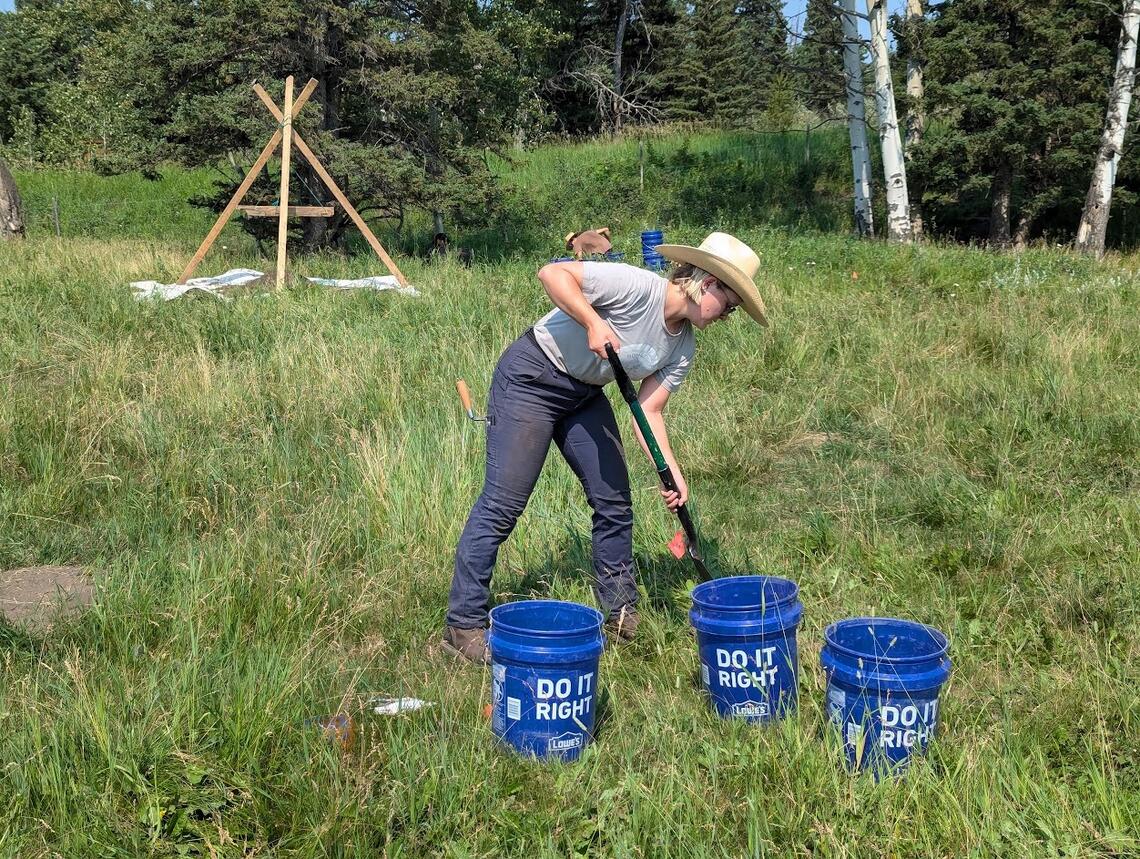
794, 12
7, 5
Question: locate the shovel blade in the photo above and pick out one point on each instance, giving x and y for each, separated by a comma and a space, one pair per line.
677, 545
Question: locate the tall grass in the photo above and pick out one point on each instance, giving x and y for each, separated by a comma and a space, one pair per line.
268, 493
87, 205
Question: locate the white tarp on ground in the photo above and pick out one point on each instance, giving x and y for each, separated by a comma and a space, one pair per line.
237, 278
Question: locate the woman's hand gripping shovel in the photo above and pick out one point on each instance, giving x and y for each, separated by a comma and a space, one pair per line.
692, 545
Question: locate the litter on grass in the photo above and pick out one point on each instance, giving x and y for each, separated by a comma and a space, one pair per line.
394, 706
378, 283
238, 278
339, 728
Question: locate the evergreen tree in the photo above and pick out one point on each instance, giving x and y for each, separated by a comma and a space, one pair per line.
654, 43
44, 49
537, 34
408, 98
818, 57
1017, 89
581, 85
684, 81
764, 31
780, 104
711, 81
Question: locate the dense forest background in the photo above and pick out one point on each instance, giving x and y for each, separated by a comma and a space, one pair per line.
415, 97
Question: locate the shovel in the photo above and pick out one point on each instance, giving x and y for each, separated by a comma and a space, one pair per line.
692, 544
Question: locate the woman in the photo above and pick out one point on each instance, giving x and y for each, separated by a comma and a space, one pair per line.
548, 386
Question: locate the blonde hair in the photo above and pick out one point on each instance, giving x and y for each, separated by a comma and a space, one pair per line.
689, 278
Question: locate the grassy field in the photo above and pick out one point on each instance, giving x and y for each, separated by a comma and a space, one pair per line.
268, 493
683, 181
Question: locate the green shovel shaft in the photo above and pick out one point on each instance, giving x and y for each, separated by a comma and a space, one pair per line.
664, 472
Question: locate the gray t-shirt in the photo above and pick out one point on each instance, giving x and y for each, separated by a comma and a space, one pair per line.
632, 301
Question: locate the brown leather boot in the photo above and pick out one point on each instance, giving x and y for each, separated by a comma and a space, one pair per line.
470, 644
622, 624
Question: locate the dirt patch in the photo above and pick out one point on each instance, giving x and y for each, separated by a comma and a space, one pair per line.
810, 441
34, 596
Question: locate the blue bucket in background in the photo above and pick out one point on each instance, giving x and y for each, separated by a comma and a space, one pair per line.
883, 680
650, 239
544, 676
746, 636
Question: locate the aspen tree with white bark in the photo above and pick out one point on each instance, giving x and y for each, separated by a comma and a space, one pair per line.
857, 118
1094, 217
915, 111
915, 116
11, 209
894, 166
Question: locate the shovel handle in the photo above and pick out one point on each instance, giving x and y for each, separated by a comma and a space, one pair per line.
664, 472
464, 395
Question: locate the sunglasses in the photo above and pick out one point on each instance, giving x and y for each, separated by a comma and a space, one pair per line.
729, 306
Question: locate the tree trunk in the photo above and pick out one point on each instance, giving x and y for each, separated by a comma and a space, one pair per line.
1094, 217
319, 233
894, 167
619, 41
1021, 235
916, 112
916, 116
11, 208
1001, 193
857, 120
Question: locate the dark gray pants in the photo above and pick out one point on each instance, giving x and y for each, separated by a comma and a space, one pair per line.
532, 403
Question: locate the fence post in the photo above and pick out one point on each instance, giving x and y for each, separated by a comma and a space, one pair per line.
641, 162
55, 214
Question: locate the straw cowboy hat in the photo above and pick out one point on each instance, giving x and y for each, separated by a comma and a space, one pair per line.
731, 262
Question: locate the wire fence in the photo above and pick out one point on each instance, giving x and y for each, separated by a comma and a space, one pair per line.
67, 216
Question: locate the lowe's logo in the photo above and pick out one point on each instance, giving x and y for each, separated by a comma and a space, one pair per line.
750, 709
564, 742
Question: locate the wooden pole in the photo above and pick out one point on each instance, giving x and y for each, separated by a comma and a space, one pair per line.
224, 217
286, 148
55, 215
304, 149
641, 163
250, 178
352, 213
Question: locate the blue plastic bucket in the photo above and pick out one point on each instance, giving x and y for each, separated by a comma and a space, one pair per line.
883, 680
746, 636
544, 676
650, 239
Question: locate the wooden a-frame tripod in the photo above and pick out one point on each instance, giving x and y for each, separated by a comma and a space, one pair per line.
285, 133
